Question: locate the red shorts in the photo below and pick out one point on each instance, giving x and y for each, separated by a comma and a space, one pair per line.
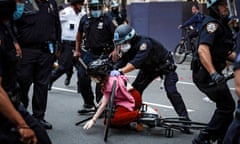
123, 116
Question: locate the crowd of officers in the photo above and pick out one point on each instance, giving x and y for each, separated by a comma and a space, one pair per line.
34, 34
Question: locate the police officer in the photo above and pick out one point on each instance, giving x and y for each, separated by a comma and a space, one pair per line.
70, 18
39, 31
16, 126
97, 28
153, 60
233, 133
118, 16
214, 49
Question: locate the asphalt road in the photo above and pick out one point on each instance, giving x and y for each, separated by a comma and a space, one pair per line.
64, 101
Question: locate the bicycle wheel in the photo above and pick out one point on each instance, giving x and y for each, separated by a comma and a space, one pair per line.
109, 112
180, 53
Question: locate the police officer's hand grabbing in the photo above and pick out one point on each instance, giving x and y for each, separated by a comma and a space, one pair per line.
217, 78
27, 135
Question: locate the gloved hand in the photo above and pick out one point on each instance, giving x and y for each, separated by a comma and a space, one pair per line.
217, 78
115, 73
89, 124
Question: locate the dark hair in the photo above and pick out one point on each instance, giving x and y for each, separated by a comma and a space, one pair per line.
196, 6
73, 2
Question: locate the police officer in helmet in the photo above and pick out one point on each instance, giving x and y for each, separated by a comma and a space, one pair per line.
215, 47
97, 28
152, 59
118, 15
233, 132
17, 125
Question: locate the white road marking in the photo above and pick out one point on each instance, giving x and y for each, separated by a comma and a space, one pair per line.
149, 103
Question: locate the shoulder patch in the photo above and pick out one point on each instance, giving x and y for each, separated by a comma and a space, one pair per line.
211, 27
143, 47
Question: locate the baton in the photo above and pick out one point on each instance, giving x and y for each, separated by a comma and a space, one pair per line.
82, 63
232, 8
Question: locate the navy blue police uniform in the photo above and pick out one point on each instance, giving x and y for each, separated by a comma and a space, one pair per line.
120, 17
8, 67
220, 40
233, 134
38, 35
98, 44
154, 60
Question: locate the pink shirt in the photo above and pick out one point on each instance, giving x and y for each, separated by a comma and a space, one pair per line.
122, 96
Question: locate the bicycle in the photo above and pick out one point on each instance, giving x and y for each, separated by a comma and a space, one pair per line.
149, 118
182, 50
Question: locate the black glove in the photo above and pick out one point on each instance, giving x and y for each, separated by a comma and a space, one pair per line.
217, 78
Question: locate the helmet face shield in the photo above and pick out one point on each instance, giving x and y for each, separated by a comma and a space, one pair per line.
210, 3
95, 8
120, 39
123, 48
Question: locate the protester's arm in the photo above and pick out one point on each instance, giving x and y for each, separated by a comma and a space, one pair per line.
101, 108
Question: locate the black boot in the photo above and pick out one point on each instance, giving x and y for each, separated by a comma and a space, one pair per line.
186, 129
202, 138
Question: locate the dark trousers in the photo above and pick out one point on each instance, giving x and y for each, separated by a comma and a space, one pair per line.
10, 135
66, 62
225, 105
35, 68
233, 133
143, 79
85, 81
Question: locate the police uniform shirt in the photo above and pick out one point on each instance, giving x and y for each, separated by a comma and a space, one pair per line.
8, 60
146, 54
118, 17
98, 31
69, 22
218, 37
39, 27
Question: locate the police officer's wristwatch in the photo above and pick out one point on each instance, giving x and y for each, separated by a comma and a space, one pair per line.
120, 70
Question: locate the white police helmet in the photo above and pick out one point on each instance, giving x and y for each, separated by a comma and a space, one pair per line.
210, 3
114, 3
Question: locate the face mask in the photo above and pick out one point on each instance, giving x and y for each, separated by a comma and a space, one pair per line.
95, 80
19, 11
125, 47
96, 13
